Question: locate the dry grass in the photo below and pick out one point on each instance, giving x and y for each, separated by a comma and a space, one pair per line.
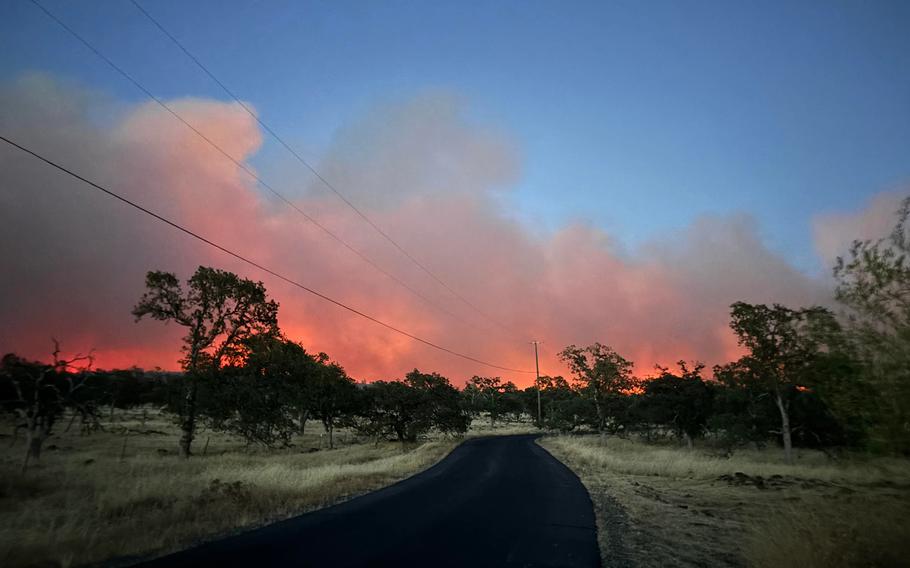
665, 505
481, 427
84, 504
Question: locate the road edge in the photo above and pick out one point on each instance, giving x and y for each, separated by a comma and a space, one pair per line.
611, 519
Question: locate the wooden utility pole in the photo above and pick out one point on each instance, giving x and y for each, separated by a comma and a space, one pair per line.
537, 383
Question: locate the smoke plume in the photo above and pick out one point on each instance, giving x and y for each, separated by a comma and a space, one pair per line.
430, 177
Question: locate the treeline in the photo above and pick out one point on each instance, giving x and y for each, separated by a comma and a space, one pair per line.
269, 391
808, 377
240, 375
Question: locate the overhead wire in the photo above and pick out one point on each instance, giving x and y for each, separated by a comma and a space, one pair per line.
315, 172
189, 232
244, 167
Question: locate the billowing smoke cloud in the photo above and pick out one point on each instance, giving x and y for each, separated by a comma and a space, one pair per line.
835, 232
75, 260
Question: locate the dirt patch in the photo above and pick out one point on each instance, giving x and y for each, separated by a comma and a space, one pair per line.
612, 531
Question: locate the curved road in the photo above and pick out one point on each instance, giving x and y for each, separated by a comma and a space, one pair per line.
501, 501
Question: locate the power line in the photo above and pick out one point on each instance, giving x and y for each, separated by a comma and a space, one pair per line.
246, 169
253, 263
537, 381
313, 170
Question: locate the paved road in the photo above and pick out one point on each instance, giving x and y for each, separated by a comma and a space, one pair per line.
500, 501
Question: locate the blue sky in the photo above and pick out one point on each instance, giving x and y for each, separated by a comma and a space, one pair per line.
634, 116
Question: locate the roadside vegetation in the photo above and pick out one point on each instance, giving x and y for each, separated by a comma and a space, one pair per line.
124, 490
98, 465
661, 504
795, 454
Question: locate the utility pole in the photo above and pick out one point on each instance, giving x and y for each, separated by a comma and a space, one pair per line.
537, 383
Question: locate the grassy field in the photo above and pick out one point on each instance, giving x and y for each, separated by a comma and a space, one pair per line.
668, 506
109, 494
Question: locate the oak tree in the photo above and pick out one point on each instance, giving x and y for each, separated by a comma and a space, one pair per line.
219, 311
785, 345
604, 376
37, 394
873, 285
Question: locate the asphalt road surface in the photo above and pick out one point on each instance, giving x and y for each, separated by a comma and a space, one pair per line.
500, 501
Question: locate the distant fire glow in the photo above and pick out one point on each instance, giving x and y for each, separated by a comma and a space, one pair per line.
423, 171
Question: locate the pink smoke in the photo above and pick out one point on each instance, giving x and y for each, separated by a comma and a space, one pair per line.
75, 260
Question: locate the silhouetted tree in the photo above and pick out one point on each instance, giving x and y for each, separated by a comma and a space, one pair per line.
472, 399
490, 390
562, 406
333, 397
873, 284
844, 396
681, 401
297, 369
528, 399
392, 408
784, 345
410, 408
220, 311
512, 402
440, 401
743, 410
250, 406
605, 377
123, 388
37, 394
258, 396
